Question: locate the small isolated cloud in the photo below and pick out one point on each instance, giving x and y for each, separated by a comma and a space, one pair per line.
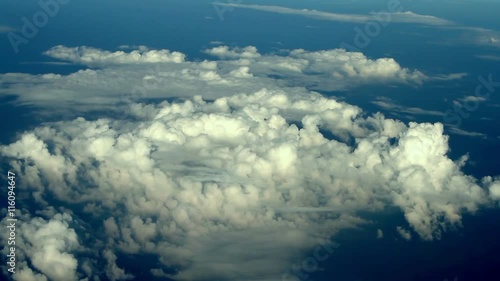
389, 105
161, 74
224, 52
458, 131
95, 57
141, 48
404, 233
113, 272
493, 186
495, 191
473, 99
380, 234
197, 183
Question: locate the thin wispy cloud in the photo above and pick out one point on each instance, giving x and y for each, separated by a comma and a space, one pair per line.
479, 35
387, 104
399, 17
458, 131
489, 57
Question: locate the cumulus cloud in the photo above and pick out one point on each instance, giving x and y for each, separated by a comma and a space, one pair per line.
161, 74
249, 52
202, 184
477, 36
331, 69
493, 186
405, 234
472, 99
95, 57
48, 246
230, 182
451, 76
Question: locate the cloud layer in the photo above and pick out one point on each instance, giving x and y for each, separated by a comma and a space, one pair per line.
156, 74
394, 16
237, 181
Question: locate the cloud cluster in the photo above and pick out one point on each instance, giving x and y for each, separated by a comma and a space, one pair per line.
236, 188
405, 234
237, 179
48, 246
95, 57
162, 74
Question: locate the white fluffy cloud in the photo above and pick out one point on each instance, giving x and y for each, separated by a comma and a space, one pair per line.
228, 188
493, 186
113, 272
224, 52
405, 234
233, 183
160, 74
95, 57
48, 246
